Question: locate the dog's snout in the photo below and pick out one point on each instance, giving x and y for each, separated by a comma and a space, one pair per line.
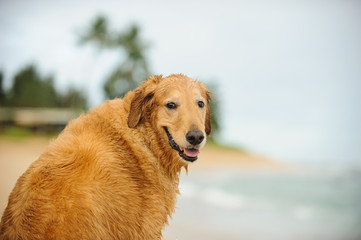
195, 137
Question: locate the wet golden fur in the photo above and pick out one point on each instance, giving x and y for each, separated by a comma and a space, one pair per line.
111, 174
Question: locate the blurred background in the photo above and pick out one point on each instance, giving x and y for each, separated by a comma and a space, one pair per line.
285, 156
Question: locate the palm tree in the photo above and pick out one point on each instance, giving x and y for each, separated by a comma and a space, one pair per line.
130, 71
134, 68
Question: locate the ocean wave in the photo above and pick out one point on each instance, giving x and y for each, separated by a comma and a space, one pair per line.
214, 196
223, 199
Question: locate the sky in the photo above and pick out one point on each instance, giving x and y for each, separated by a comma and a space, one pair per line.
288, 73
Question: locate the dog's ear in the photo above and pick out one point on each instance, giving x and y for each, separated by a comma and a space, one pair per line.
208, 123
142, 99
137, 107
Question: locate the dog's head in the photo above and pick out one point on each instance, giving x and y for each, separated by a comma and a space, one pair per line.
178, 107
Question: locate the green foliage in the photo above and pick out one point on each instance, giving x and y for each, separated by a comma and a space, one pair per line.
16, 133
133, 69
73, 98
214, 108
30, 89
2, 92
98, 33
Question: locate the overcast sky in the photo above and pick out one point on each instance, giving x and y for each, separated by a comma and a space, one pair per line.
288, 72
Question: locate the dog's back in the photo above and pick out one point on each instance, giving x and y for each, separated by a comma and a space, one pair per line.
86, 185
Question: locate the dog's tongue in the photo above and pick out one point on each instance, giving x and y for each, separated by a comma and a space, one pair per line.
191, 152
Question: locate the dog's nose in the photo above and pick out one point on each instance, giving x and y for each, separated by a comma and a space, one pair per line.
195, 137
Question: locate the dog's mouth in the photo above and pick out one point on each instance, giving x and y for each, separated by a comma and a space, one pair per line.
188, 154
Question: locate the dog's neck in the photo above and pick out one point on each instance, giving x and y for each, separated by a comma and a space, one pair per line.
168, 158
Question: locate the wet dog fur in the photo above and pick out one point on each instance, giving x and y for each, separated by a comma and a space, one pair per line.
113, 173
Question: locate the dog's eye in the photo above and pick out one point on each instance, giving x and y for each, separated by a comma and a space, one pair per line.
201, 104
171, 105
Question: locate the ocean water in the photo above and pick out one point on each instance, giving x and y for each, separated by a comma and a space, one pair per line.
229, 204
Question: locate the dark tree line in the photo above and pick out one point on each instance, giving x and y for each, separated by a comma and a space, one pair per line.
30, 89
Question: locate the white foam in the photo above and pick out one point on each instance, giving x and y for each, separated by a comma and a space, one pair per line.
222, 198
188, 190
303, 213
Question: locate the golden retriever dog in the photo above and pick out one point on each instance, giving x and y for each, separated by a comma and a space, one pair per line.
113, 173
